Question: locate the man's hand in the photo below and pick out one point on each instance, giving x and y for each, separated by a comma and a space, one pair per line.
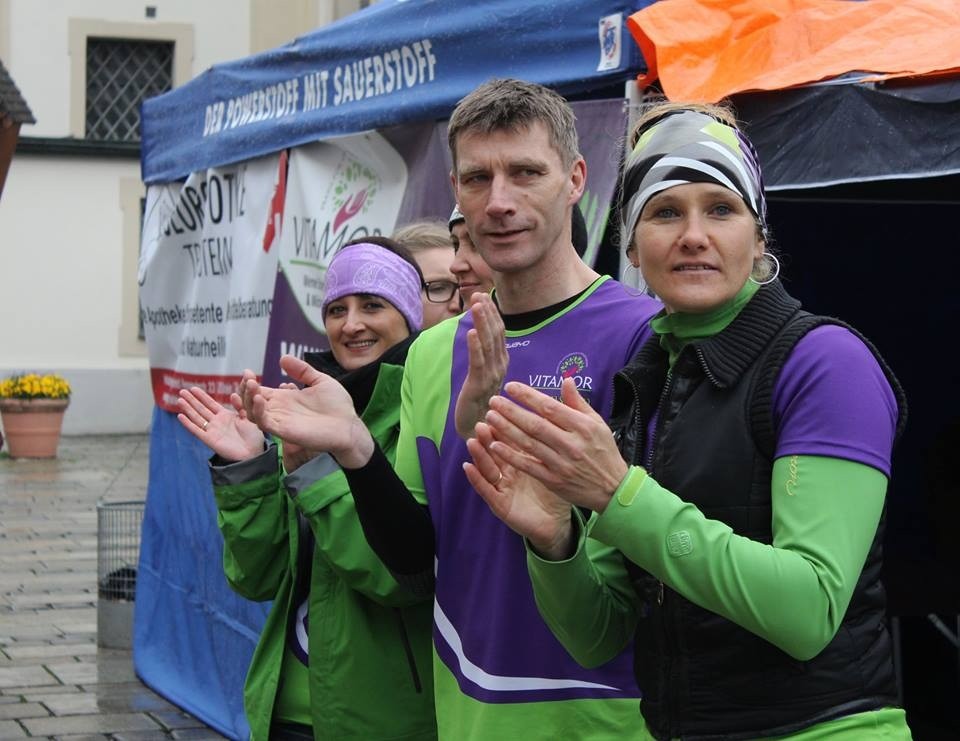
563, 444
319, 416
487, 352
523, 503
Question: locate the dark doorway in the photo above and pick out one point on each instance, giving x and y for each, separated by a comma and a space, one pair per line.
886, 258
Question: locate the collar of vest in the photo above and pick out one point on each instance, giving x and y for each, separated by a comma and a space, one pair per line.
725, 356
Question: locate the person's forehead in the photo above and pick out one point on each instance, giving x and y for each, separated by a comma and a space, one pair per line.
529, 141
435, 262
693, 191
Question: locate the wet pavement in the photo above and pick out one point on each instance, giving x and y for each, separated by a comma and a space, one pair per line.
55, 682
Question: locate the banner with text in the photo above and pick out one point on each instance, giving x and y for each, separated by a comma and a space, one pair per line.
336, 191
207, 268
393, 63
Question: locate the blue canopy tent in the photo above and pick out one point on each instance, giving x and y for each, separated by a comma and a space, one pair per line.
394, 62
397, 62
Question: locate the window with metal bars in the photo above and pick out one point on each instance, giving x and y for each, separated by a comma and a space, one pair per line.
120, 74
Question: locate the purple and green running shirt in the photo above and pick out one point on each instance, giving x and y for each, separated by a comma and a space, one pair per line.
499, 671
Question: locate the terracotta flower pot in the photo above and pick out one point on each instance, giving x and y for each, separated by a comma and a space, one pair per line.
32, 426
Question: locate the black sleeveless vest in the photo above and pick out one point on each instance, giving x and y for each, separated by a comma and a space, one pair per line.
701, 675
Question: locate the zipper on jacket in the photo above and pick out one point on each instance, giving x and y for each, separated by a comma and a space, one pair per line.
668, 671
669, 695
637, 422
629, 456
706, 370
658, 427
415, 675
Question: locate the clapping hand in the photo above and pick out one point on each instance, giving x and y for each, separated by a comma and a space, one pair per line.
564, 443
523, 503
488, 359
319, 417
226, 431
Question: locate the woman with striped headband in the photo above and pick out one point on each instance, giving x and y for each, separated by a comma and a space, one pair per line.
345, 651
736, 508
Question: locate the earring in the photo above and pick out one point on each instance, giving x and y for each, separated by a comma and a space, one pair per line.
776, 270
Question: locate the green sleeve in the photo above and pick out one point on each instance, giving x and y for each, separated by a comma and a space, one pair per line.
587, 601
328, 505
252, 517
425, 398
321, 493
793, 592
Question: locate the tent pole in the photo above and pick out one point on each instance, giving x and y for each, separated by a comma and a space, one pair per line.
634, 101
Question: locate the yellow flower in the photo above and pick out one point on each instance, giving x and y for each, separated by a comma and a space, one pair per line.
34, 386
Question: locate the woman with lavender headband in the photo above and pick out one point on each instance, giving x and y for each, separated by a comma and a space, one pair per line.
345, 651
742, 483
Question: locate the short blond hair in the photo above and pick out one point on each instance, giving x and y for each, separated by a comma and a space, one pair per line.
423, 235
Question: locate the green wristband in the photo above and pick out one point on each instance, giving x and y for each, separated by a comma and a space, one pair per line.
627, 492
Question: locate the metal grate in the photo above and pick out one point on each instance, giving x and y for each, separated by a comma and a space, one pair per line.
120, 74
118, 549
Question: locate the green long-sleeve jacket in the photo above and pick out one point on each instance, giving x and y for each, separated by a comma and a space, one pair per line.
369, 640
821, 535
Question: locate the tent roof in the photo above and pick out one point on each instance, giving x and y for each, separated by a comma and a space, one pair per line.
839, 118
706, 50
832, 91
395, 62
835, 134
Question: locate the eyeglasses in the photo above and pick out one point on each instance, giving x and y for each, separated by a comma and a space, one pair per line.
440, 291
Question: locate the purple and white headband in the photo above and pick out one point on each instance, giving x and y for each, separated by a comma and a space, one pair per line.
370, 268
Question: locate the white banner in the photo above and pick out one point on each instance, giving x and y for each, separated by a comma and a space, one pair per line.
336, 191
206, 277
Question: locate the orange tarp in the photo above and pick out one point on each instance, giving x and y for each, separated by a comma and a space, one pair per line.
705, 50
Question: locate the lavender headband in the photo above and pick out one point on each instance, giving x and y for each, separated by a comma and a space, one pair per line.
369, 268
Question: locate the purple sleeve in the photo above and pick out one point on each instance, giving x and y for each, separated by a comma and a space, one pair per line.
832, 399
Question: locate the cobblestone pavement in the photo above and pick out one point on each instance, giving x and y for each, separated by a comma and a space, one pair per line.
55, 682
